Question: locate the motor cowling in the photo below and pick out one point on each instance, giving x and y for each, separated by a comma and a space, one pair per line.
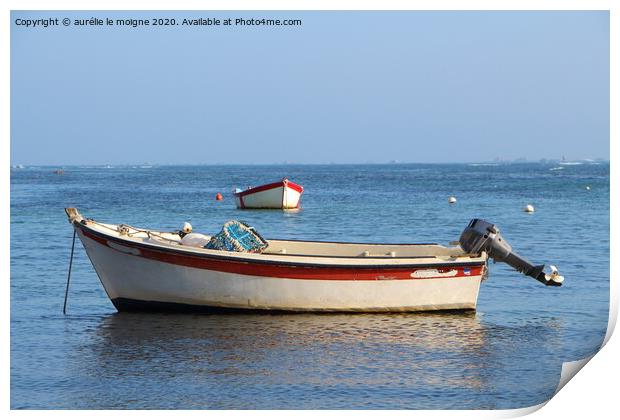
481, 235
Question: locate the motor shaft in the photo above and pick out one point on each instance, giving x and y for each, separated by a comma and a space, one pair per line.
481, 235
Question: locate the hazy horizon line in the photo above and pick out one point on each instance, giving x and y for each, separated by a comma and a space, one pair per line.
394, 162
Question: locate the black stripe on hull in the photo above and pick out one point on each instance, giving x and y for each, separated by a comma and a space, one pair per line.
134, 305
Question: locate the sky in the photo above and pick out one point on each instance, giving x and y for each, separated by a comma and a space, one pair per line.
343, 87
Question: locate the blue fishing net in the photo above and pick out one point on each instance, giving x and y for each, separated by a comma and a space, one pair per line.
238, 237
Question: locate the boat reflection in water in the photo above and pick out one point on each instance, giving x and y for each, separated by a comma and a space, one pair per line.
297, 361
258, 361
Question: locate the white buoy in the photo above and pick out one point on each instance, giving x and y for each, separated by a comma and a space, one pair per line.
588, 187
528, 209
452, 200
187, 228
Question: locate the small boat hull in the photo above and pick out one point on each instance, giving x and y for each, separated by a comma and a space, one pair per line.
278, 195
141, 276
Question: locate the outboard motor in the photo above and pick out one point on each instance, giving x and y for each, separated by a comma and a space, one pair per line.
481, 235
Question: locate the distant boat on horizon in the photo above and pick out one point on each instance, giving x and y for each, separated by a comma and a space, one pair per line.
283, 194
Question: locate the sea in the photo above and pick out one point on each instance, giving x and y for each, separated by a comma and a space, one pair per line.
508, 354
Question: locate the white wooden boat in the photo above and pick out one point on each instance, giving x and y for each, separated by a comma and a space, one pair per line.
148, 270
283, 194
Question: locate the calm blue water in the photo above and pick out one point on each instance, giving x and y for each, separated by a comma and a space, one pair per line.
506, 355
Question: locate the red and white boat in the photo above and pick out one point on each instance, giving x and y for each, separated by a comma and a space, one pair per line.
143, 269
283, 194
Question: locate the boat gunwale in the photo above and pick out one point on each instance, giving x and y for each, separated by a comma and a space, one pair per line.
474, 262
361, 243
271, 186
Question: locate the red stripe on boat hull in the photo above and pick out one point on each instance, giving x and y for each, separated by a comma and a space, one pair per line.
274, 270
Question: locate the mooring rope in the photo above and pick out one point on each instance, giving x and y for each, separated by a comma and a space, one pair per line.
64, 307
